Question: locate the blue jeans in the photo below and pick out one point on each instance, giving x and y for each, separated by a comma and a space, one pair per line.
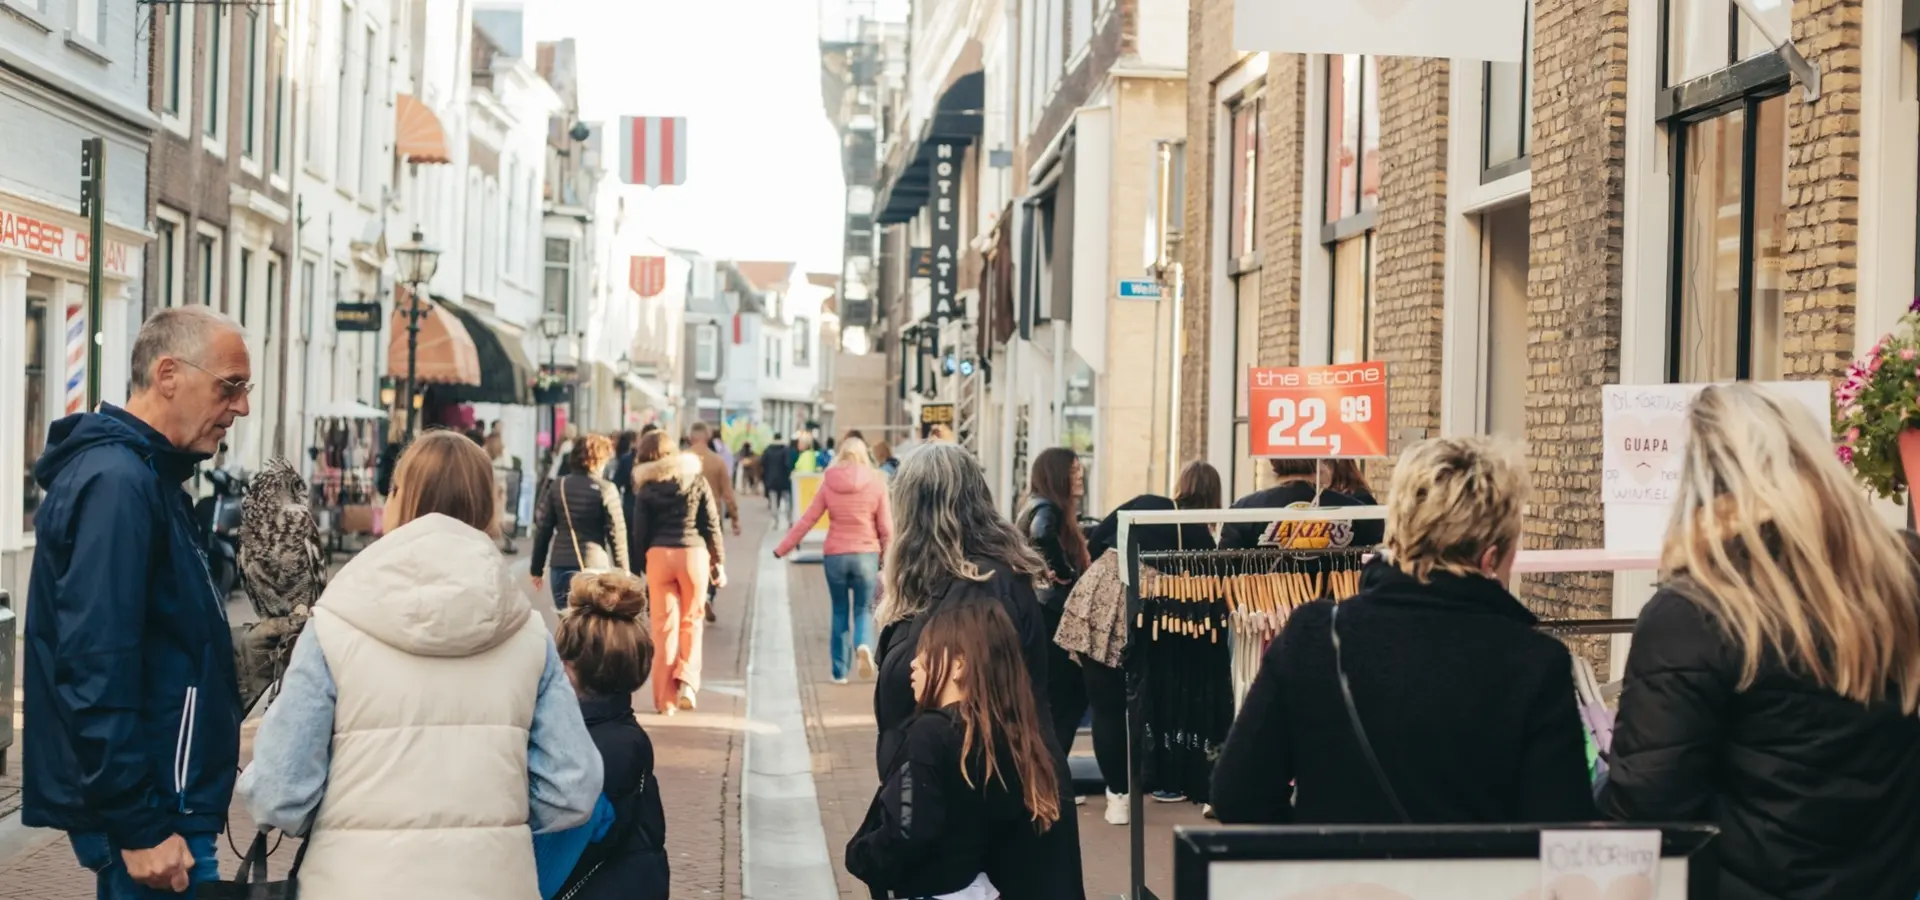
851, 578
561, 580
111, 881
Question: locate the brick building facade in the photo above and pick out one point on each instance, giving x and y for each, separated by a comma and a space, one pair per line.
1649, 198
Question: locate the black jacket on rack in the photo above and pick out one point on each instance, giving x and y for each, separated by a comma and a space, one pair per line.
1313, 535
1021, 864
1816, 796
1153, 538
1469, 708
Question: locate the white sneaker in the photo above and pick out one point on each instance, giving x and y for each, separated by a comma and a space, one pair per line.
687, 699
839, 681
863, 660
1118, 813
1079, 799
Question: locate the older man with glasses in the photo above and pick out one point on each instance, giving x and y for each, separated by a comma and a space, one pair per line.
132, 734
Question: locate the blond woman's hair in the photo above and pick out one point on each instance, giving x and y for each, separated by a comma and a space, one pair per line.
1771, 536
853, 451
1452, 500
444, 472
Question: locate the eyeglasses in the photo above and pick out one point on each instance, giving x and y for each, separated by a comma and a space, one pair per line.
229, 388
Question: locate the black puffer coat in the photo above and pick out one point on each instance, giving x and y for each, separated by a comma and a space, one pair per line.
1816, 796
630, 863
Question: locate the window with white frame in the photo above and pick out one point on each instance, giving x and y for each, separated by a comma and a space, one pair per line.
209, 260
176, 58
370, 145
246, 288
213, 82
1246, 117
280, 120
170, 248
490, 236
510, 250
253, 134
311, 124
309, 284
706, 351
558, 287
474, 234
1725, 111
1505, 241
343, 99
1506, 121
1353, 200
1080, 25
88, 21
802, 341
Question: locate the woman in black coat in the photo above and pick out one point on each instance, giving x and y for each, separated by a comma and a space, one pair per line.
1468, 709
1772, 683
952, 546
1051, 521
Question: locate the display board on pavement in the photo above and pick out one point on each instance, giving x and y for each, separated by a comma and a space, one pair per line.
1644, 429
1318, 412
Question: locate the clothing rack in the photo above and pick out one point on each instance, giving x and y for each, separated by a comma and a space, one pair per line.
1131, 572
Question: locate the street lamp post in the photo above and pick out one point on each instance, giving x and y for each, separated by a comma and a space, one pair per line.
626, 370
417, 264
553, 326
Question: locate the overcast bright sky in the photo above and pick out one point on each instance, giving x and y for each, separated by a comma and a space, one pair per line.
763, 170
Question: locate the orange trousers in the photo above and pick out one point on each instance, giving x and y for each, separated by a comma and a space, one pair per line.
677, 603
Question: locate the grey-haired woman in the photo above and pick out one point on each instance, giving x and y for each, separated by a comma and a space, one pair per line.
951, 546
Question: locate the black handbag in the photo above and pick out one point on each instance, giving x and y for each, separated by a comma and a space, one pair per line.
251, 883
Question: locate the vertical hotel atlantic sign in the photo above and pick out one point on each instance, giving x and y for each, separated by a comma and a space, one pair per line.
945, 209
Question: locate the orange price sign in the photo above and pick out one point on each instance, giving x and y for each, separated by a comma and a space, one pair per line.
1318, 412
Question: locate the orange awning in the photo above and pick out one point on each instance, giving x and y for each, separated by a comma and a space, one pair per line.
417, 135
446, 354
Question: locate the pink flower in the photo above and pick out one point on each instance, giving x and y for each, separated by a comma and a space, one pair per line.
1907, 354
1845, 454
1875, 365
1853, 435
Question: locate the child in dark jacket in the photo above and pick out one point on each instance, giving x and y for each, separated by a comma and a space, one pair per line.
973, 769
607, 652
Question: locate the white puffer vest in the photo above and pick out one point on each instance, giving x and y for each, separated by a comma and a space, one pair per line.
437, 658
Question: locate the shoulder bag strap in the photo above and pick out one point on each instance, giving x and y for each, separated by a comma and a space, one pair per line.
573, 534
1359, 730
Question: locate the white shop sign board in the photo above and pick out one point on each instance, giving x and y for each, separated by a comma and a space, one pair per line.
1644, 428
1489, 30
1433, 879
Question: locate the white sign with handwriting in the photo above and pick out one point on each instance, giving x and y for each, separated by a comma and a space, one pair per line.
1644, 431
1595, 863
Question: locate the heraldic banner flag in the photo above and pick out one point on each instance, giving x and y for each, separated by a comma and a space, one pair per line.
653, 150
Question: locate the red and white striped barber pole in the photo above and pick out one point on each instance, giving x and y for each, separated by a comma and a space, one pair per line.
653, 150
647, 275
76, 359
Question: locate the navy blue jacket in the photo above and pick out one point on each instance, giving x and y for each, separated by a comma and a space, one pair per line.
132, 706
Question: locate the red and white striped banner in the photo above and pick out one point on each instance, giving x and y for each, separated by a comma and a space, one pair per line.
653, 150
647, 275
76, 359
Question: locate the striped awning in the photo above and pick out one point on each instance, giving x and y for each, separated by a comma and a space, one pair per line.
445, 354
418, 136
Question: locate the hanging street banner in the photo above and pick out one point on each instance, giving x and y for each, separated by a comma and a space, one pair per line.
356, 317
1318, 412
1643, 428
944, 208
1486, 30
647, 275
653, 150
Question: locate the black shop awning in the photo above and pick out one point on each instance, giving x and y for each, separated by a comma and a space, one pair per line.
955, 118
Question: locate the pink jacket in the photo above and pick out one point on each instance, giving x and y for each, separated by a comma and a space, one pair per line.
858, 520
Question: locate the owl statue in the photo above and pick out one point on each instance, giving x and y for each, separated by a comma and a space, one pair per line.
283, 567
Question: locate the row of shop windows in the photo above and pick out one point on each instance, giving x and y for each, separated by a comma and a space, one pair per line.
1728, 209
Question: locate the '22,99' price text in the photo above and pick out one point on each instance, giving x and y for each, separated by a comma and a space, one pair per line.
1319, 411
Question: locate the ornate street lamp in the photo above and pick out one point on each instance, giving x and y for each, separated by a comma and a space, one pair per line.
417, 263
553, 326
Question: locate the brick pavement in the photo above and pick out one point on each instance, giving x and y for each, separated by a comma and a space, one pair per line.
840, 732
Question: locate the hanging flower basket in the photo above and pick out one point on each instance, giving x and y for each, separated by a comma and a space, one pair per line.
1877, 411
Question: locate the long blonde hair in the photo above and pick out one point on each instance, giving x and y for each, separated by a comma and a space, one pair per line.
853, 451
946, 528
1771, 536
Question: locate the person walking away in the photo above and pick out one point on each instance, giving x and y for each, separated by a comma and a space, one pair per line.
853, 496
580, 524
677, 543
1497, 740
425, 729
807, 459
720, 481
1051, 520
776, 472
1297, 489
607, 653
953, 547
883, 459
131, 715
973, 765
1197, 488
1772, 682
620, 471
747, 468
495, 443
